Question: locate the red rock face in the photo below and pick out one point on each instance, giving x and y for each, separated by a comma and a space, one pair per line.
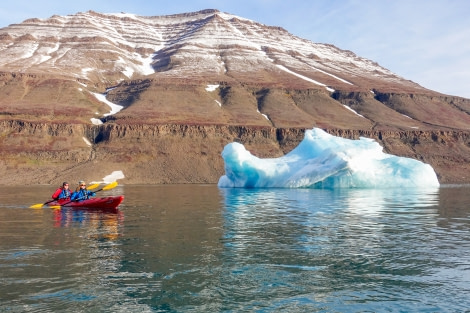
190, 83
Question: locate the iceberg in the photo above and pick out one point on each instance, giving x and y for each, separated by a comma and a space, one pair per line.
322, 160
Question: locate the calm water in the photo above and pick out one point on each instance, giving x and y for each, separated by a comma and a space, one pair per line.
197, 248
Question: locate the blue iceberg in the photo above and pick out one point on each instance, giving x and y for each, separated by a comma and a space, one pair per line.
325, 161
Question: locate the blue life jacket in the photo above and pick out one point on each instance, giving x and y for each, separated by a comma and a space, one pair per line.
82, 194
64, 194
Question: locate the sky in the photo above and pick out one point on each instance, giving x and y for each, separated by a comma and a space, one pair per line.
425, 41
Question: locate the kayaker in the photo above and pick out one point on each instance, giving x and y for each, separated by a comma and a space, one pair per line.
62, 192
82, 193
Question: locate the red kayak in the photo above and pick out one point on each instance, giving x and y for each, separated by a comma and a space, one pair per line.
93, 203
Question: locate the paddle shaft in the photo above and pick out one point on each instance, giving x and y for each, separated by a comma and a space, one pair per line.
40, 205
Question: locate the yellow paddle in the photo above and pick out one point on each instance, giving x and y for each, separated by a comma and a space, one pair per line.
93, 186
107, 187
40, 205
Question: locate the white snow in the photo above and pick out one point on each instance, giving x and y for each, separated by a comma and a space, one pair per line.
44, 58
334, 76
54, 49
115, 108
137, 64
265, 116
86, 141
96, 121
86, 70
407, 116
282, 67
114, 176
30, 51
211, 88
128, 71
347, 107
146, 68
325, 161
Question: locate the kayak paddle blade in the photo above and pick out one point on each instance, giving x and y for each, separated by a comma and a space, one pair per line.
110, 186
93, 186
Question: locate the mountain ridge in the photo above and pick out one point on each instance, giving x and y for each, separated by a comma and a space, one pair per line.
166, 36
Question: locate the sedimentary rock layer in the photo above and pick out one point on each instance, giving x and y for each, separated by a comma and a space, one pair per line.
42, 153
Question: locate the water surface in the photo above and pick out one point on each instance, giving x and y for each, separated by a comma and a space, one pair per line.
198, 248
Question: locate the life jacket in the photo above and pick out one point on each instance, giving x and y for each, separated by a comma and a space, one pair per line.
82, 194
63, 194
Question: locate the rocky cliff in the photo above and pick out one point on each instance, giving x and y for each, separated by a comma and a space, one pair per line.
40, 153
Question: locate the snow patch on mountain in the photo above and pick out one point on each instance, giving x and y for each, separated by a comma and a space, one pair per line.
115, 108
282, 67
88, 143
334, 76
348, 108
29, 52
264, 115
211, 88
96, 121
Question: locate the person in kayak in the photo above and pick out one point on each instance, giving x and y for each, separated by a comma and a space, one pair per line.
62, 192
82, 193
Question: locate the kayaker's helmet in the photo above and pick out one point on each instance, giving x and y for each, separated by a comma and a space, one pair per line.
81, 182
64, 183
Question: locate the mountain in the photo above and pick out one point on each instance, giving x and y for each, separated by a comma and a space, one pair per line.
207, 44
190, 83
